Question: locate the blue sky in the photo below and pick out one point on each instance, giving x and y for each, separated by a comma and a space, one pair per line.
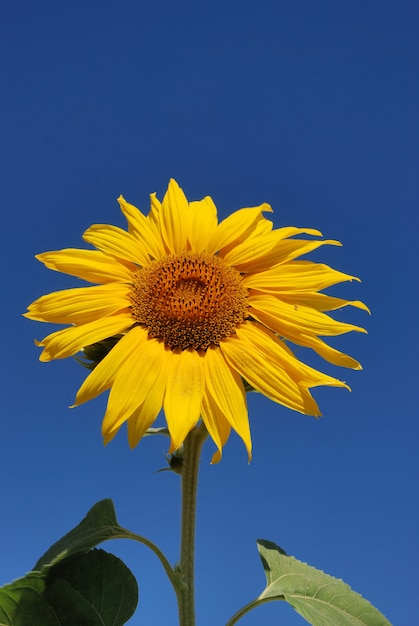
310, 106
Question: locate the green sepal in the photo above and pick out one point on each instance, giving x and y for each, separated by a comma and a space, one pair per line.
93, 354
157, 431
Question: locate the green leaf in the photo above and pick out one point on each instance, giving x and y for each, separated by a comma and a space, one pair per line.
321, 599
22, 603
37, 594
99, 525
93, 589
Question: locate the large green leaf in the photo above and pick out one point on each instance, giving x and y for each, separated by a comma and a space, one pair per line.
99, 525
22, 603
321, 599
92, 589
59, 584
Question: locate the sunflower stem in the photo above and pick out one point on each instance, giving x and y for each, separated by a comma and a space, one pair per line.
191, 456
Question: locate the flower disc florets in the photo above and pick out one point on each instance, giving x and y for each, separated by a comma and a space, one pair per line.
190, 300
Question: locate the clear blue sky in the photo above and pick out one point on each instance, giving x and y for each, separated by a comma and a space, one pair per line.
310, 106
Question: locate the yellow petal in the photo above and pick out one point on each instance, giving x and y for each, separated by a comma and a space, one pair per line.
290, 249
184, 391
308, 340
135, 379
296, 276
276, 349
226, 389
262, 253
284, 318
117, 242
105, 372
174, 218
69, 341
265, 372
320, 301
236, 227
107, 437
202, 223
326, 352
80, 305
262, 227
290, 231
155, 208
137, 424
143, 417
91, 265
216, 424
142, 229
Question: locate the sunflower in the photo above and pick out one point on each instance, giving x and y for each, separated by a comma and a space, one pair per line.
200, 311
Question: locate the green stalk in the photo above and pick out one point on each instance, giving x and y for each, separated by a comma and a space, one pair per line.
191, 457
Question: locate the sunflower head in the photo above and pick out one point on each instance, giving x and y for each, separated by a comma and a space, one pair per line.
185, 313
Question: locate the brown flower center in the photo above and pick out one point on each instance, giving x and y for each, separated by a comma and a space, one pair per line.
189, 301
